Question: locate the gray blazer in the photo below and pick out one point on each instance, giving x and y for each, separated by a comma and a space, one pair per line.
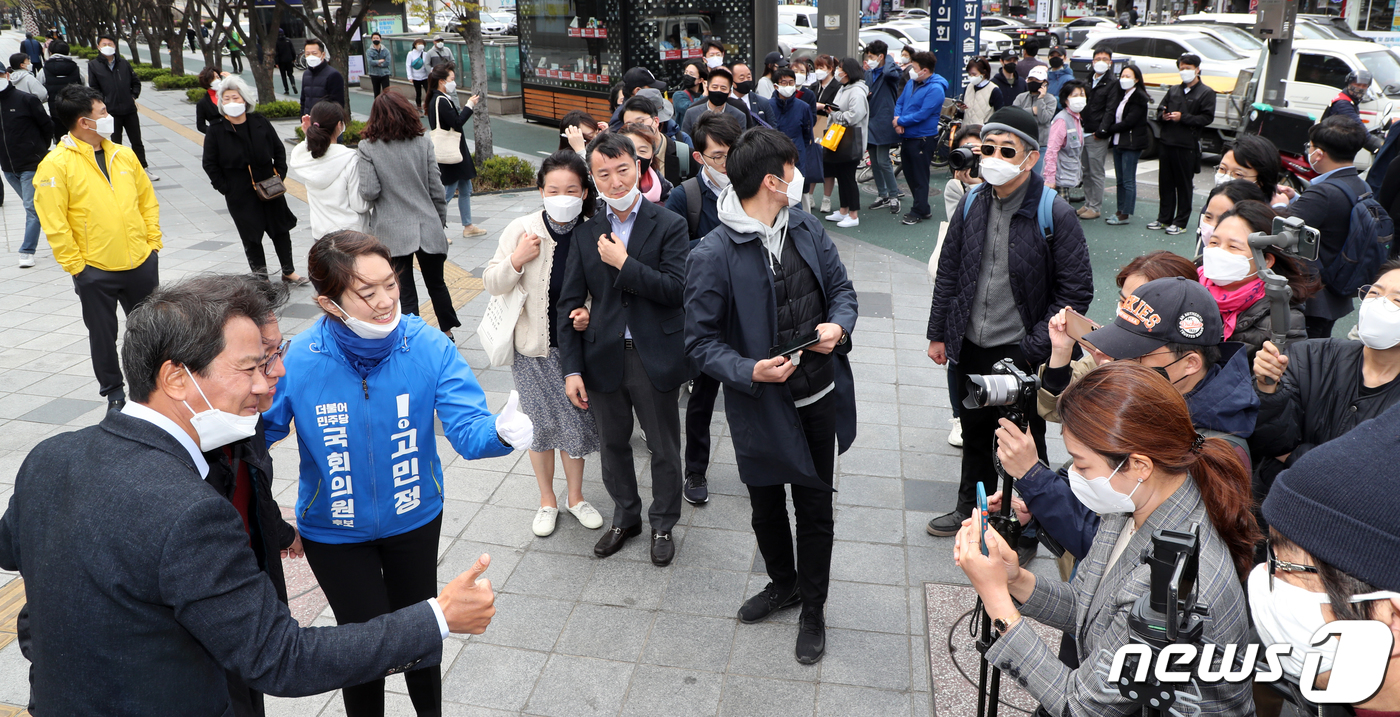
408, 206
1095, 607
143, 590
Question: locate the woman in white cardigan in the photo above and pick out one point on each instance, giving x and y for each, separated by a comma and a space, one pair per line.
330, 172
531, 257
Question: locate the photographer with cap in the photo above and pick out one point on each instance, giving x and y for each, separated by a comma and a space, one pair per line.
1345, 104
1331, 556
1001, 276
1323, 388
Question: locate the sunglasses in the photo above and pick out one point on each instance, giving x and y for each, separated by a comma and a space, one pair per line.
1283, 566
990, 150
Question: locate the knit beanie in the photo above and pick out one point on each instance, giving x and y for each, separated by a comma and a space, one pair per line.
1016, 121
1339, 502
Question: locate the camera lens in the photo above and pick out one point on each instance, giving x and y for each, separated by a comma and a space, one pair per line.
990, 390
962, 158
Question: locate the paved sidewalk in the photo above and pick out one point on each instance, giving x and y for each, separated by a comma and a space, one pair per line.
575, 635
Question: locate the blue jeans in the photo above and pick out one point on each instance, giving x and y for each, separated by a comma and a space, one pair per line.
464, 201
883, 169
23, 182
1125, 162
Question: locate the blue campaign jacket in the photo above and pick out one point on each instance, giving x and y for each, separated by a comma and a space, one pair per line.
369, 461
920, 106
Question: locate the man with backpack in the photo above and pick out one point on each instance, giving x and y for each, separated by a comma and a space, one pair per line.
1355, 230
696, 200
1014, 256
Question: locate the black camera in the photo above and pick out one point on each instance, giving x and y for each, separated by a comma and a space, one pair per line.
1007, 388
965, 158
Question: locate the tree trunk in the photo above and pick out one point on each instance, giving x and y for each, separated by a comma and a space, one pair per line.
153, 43
262, 54
476, 55
135, 55
176, 43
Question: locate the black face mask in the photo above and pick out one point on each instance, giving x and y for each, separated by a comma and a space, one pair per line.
1162, 371
1056, 63
1009, 68
717, 98
687, 82
1033, 86
743, 88
376, 42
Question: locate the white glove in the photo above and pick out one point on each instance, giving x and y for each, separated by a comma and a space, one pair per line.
513, 426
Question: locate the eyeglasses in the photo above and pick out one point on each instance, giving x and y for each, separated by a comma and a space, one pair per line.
275, 357
1371, 291
720, 159
990, 150
1283, 566
1237, 173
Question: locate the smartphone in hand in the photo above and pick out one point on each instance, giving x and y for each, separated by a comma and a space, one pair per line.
979, 517
1077, 325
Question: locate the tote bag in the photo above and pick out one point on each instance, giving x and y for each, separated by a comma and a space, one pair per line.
497, 329
447, 143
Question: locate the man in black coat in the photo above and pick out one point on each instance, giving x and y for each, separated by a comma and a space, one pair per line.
770, 275
286, 60
60, 71
1187, 109
1011, 83
755, 107
320, 81
146, 591
630, 258
112, 75
24, 137
1000, 279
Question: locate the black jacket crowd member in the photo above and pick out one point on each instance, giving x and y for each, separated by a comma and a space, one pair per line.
112, 75
1186, 110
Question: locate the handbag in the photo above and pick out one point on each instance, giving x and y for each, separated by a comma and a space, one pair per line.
447, 143
268, 189
834, 133
497, 328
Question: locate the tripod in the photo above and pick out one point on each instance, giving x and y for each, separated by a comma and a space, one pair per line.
1006, 525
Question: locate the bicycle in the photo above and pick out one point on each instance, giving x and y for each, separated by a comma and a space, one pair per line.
865, 171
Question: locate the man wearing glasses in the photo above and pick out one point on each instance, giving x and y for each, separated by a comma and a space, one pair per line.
1007, 267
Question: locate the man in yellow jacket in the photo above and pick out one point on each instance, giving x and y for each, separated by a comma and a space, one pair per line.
99, 211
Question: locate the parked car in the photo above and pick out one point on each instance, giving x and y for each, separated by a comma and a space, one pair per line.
1074, 32
790, 35
909, 33
803, 17
1019, 30
994, 43
497, 23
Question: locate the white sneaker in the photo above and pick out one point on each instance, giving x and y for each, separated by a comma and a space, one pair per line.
26, 261
826, 204
955, 435
587, 516
835, 216
152, 176
848, 222
545, 519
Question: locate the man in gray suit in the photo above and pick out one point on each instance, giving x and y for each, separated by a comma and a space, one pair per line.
142, 589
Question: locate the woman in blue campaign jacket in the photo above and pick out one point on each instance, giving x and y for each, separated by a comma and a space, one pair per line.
362, 387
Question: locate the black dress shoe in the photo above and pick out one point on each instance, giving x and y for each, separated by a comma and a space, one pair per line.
811, 637
766, 603
613, 540
663, 548
696, 490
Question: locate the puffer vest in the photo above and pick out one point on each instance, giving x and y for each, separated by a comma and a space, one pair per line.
800, 307
1069, 168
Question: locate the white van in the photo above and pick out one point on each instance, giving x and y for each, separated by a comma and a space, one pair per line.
802, 17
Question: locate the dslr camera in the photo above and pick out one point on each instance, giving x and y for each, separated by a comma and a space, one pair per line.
965, 158
1007, 388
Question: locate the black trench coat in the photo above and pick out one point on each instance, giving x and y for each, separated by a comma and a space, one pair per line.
731, 323
228, 155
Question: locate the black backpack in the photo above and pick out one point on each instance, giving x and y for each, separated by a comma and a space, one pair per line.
692, 204
1366, 248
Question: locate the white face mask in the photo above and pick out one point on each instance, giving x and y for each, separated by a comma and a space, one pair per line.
105, 125
913, 73
563, 208
313, 61
437, 44
841, 77
998, 171
714, 61
1378, 324
450, 88
820, 74
107, 50
1127, 83
235, 109
787, 90
801, 78
1222, 177
1290, 615
1100, 67
1188, 76
1098, 495
871, 64
1076, 104
1204, 231
624, 202
973, 79
794, 188
719, 178
365, 329
4, 84
1222, 267
216, 428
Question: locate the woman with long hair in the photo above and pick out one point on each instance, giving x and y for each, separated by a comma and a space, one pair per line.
330, 171
443, 112
1139, 463
366, 387
531, 255
824, 86
240, 150
399, 177
1125, 126
577, 129
850, 107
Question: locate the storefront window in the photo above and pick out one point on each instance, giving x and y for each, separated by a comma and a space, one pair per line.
574, 44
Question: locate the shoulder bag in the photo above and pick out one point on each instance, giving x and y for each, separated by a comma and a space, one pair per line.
497, 329
268, 189
447, 143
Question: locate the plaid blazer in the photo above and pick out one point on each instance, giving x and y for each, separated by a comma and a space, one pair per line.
1095, 605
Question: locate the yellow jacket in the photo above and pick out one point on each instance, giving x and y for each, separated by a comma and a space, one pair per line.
112, 225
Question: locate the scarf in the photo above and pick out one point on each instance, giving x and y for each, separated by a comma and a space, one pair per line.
558, 228
651, 186
363, 354
213, 97
1232, 302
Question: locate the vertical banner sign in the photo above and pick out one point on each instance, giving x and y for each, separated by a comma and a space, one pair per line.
954, 38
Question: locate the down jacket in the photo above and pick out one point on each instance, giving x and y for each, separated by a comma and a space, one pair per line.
1046, 276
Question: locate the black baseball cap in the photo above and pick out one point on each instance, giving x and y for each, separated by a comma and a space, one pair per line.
1174, 310
640, 77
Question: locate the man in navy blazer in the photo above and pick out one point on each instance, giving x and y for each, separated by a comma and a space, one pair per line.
755, 107
142, 588
630, 258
